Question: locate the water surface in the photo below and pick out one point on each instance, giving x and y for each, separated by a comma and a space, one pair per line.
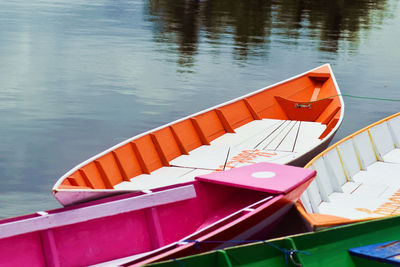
78, 77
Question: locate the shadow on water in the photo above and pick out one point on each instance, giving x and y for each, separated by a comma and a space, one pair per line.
254, 24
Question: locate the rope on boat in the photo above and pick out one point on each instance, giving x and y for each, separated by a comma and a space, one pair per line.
356, 96
288, 253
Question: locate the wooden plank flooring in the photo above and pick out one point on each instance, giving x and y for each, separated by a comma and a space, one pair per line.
160, 177
278, 141
308, 135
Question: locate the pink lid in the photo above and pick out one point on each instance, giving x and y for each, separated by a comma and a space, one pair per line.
267, 177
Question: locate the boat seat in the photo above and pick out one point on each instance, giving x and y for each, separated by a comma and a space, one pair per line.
248, 135
164, 176
387, 253
304, 111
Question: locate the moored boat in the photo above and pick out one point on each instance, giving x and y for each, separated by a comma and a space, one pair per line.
288, 123
363, 244
358, 178
143, 227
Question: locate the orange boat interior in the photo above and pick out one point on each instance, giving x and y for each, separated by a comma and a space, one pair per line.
312, 97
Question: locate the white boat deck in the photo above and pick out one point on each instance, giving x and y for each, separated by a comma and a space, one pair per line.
267, 140
360, 178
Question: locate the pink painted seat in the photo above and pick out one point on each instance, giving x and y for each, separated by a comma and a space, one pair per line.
266, 177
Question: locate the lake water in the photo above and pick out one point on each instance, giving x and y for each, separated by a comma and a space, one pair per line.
80, 76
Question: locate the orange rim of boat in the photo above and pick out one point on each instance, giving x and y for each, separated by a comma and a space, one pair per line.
330, 221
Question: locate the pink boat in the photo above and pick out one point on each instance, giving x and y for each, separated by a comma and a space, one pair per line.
140, 228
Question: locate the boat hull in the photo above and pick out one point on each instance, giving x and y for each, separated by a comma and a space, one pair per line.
151, 226
357, 178
325, 248
287, 123
261, 223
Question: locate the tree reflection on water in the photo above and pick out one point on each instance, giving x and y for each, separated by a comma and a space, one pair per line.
251, 26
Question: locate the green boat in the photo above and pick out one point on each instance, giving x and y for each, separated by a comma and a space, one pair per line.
328, 247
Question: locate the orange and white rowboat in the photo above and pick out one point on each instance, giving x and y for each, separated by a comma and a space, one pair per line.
357, 178
289, 123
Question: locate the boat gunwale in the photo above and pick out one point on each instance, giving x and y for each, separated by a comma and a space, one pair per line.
55, 188
263, 202
316, 226
295, 239
58, 218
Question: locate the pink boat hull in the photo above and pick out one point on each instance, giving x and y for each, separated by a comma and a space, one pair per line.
264, 220
148, 225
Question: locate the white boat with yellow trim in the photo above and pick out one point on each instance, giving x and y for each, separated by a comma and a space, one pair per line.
358, 178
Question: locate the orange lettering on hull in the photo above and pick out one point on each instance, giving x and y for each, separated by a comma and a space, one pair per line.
392, 207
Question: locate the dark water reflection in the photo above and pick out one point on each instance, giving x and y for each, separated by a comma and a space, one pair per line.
78, 77
252, 24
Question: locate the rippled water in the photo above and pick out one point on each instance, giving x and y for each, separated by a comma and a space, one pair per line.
80, 76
